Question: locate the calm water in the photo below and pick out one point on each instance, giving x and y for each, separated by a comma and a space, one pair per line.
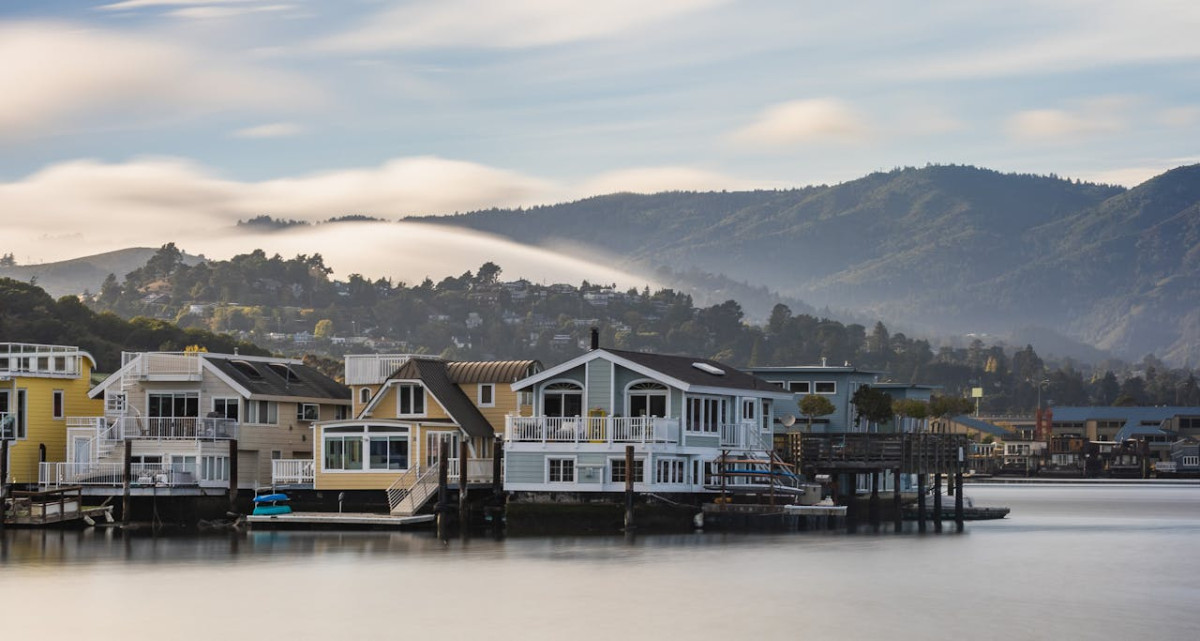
1110, 562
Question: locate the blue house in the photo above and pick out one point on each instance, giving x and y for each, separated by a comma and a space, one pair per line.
838, 384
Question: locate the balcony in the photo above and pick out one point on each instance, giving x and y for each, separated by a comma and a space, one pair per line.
374, 369
164, 366
100, 474
591, 429
175, 428
42, 361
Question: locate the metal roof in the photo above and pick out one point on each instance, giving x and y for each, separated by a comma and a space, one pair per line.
982, 426
491, 371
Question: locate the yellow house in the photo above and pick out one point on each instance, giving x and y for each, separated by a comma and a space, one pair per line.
394, 441
40, 386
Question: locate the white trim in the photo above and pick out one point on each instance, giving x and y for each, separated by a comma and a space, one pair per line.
666, 393
62, 405
833, 383
479, 394
574, 470
424, 413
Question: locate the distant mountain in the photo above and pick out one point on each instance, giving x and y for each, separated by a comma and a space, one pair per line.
78, 275
942, 248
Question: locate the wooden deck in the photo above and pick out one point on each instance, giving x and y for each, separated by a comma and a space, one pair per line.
333, 519
52, 507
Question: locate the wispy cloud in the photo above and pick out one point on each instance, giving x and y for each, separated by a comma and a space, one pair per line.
822, 120
512, 24
271, 130
69, 75
1085, 119
129, 5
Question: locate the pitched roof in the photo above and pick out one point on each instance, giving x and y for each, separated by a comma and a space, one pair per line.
435, 377
1139, 421
281, 378
683, 368
982, 426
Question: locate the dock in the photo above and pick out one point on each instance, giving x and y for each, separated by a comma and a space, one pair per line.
338, 519
760, 518
52, 507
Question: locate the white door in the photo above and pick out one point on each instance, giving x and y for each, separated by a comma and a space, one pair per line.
433, 446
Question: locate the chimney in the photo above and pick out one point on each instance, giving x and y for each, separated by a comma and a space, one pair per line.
595, 338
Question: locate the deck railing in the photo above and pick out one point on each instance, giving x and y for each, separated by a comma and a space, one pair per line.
742, 436
113, 474
479, 470
292, 471
175, 428
591, 429
184, 365
373, 369
47, 361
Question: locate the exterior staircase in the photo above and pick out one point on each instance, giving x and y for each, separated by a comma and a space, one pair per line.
413, 490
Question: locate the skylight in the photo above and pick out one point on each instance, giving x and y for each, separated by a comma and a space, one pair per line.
705, 367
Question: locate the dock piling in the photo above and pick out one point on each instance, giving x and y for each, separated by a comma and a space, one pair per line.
233, 474
897, 517
921, 502
937, 502
462, 485
3, 482
629, 524
127, 477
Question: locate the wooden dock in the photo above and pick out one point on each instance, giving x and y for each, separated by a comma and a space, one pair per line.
52, 507
337, 519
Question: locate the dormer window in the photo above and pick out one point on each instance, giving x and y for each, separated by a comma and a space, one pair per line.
410, 399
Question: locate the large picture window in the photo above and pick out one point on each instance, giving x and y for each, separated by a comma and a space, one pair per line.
562, 399
647, 399
706, 414
560, 470
386, 448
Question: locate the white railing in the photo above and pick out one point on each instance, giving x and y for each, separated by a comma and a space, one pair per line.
113, 474
479, 470
742, 436
174, 428
39, 360
373, 369
412, 490
292, 471
591, 429
187, 365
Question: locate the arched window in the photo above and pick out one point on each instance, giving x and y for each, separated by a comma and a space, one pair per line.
647, 398
562, 399
364, 395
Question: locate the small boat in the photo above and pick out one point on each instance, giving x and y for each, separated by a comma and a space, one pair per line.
271, 505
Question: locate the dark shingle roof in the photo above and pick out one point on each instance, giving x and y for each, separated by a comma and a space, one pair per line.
279, 378
681, 368
434, 376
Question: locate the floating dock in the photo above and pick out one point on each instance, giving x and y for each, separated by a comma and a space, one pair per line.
337, 519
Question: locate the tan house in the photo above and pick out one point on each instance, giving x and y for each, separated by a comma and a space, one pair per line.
393, 443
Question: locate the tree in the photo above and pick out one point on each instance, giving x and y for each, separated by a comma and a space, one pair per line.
815, 405
871, 404
8, 260
324, 328
941, 406
1108, 389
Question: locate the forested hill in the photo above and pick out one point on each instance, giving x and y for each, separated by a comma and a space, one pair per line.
944, 248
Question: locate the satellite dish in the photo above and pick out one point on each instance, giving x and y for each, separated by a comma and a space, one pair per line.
788, 420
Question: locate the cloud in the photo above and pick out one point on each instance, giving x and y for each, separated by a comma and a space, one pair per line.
152, 201
128, 5
272, 130
822, 120
1086, 119
70, 76
1179, 116
1134, 176
648, 180
513, 24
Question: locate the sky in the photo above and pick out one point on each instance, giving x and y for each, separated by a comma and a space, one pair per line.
139, 122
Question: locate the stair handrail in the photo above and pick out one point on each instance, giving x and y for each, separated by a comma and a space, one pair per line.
395, 493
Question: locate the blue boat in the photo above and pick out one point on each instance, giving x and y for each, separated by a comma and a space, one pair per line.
271, 505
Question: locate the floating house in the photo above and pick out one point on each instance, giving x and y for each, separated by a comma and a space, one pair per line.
179, 413
403, 417
40, 387
680, 414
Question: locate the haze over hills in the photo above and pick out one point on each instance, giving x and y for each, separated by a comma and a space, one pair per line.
84, 274
942, 248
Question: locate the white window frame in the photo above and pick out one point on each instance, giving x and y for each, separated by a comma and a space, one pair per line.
648, 388
716, 406
227, 402
58, 405
255, 408
800, 387
621, 459
303, 413
364, 395
668, 468
214, 468
574, 466
817, 384
491, 402
413, 391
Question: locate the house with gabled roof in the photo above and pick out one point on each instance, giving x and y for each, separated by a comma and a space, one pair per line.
179, 411
393, 443
681, 415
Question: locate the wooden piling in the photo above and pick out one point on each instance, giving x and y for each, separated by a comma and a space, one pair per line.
874, 504
958, 499
921, 501
3, 482
937, 502
462, 485
443, 474
498, 468
897, 516
233, 475
629, 524
128, 479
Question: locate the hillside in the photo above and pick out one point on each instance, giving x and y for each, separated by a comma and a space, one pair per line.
83, 274
941, 248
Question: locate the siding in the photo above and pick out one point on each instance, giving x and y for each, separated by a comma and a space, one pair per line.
41, 426
600, 385
525, 467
